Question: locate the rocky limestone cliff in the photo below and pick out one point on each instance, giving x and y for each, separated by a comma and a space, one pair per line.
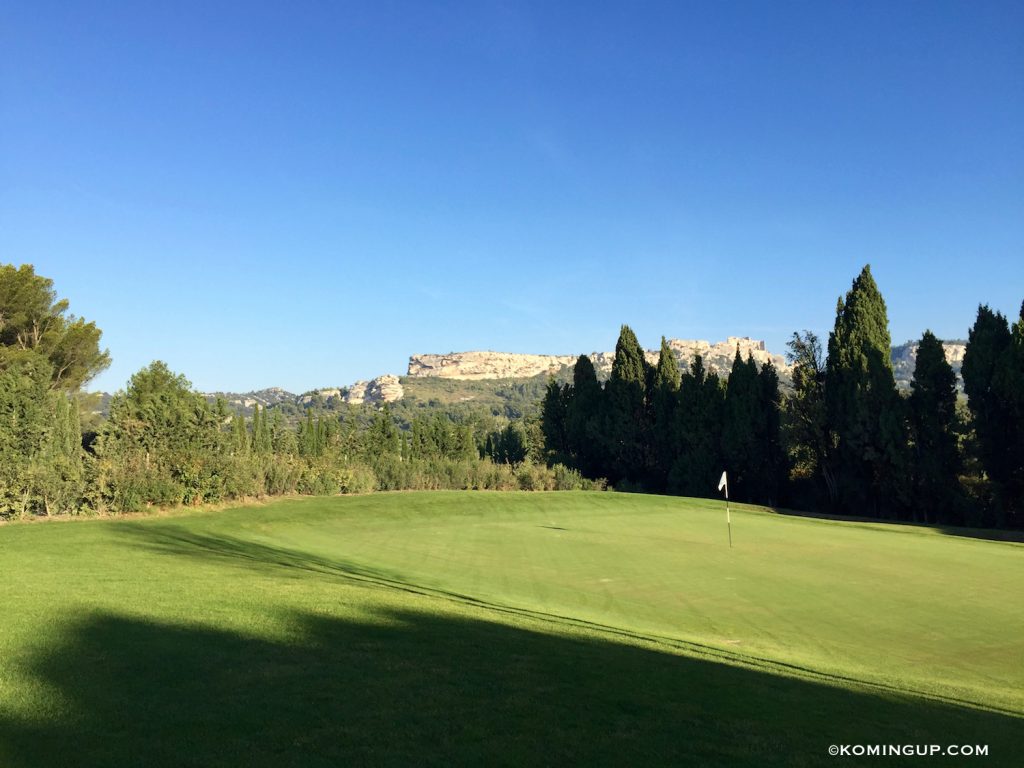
474, 366
904, 358
383, 389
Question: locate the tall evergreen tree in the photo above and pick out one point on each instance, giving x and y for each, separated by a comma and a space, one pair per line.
239, 435
583, 418
261, 441
1012, 385
864, 410
698, 426
993, 396
933, 428
771, 467
740, 426
554, 411
625, 415
662, 402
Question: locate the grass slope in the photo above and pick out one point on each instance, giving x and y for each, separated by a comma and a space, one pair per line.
441, 628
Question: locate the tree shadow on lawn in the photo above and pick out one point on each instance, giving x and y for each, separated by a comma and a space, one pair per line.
426, 689
1004, 535
180, 541
437, 688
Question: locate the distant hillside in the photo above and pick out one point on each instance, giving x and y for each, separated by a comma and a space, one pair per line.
477, 366
511, 384
246, 401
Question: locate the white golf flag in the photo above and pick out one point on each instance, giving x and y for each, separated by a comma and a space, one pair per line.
721, 483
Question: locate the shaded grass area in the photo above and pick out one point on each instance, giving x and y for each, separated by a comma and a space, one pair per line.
457, 628
176, 540
407, 687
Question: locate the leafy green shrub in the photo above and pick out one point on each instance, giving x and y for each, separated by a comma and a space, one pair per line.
566, 478
356, 478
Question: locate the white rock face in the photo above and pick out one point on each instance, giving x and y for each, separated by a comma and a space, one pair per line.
383, 389
486, 365
508, 365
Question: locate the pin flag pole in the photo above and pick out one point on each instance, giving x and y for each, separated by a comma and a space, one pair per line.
724, 483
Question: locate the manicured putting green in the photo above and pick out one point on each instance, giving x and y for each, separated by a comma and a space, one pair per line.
462, 627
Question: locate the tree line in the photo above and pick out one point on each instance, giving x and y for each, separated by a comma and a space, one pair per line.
842, 440
165, 444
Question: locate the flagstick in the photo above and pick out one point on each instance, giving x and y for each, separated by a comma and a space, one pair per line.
728, 518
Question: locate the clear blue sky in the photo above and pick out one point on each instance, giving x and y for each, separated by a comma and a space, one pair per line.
303, 194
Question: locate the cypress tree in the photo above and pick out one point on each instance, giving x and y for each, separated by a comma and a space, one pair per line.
255, 425
864, 410
554, 410
239, 435
992, 381
625, 417
740, 426
307, 436
583, 417
665, 392
261, 442
771, 468
698, 425
933, 428
1012, 386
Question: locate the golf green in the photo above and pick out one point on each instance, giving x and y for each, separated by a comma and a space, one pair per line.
509, 628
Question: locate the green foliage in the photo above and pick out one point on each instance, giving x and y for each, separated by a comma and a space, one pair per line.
554, 418
933, 426
161, 445
993, 372
806, 431
33, 318
863, 409
770, 467
45, 355
625, 422
699, 416
40, 439
742, 426
583, 416
662, 403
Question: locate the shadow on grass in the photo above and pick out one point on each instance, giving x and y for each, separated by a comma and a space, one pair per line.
986, 534
180, 541
428, 689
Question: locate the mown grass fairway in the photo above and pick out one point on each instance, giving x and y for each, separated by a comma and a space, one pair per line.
454, 628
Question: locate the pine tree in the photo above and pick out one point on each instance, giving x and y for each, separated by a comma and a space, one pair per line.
933, 428
864, 410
